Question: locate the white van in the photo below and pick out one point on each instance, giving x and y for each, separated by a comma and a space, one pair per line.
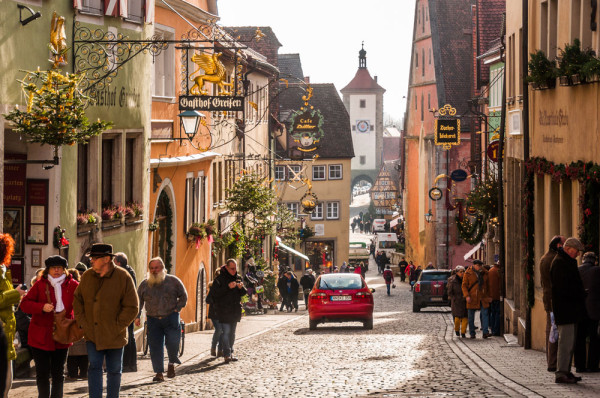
378, 225
386, 242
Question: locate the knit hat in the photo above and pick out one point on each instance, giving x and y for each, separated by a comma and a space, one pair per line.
56, 261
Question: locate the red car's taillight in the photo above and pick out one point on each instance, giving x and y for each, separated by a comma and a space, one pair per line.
418, 287
363, 294
318, 295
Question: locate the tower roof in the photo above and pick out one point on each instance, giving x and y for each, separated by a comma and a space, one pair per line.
363, 81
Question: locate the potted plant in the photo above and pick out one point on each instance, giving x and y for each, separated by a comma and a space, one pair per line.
591, 70
111, 217
542, 71
571, 61
133, 212
87, 221
196, 233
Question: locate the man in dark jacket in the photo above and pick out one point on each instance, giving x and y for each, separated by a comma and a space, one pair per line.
130, 350
228, 292
588, 357
291, 286
568, 305
307, 282
545, 262
402, 264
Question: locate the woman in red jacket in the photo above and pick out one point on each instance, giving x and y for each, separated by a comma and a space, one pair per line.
52, 293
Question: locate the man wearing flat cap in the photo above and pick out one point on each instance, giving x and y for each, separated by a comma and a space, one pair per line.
568, 305
105, 304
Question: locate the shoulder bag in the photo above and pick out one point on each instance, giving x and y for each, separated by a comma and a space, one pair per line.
65, 330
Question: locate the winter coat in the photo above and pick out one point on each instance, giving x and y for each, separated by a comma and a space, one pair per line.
388, 276
568, 294
9, 297
282, 286
307, 281
227, 301
495, 281
105, 306
590, 276
480, 294
545, 263
457, 300
42, 323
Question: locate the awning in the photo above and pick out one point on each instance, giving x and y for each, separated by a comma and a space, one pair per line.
289, 249
472, 251
183, 160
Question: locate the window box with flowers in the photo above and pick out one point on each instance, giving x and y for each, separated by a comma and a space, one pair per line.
133, 213
87, 222
112, 217
200, 231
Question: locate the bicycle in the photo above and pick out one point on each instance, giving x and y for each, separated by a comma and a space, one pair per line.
181, 339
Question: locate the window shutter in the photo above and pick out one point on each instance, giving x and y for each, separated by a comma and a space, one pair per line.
123, 8
111, 8
149, 11
77, 4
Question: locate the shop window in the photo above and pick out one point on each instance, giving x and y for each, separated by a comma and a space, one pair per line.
135, 11
93, 7
82, 176
317, 213
335, 172
333, 210
194, 200
279, 173
108, 149
318, 172
164, 68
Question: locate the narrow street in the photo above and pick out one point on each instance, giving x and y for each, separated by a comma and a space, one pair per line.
405, 355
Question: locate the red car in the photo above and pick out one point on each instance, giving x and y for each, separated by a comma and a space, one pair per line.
340, 298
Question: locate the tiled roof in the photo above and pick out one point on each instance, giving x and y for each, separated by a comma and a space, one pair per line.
267, 45
362, 81
290, 67
451, 32
337, 141
490, 24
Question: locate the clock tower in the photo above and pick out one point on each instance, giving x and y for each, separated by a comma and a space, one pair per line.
363, 99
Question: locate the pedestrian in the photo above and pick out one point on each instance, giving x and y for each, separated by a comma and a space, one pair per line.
430, 266
358, 269
307, 282
476, 288
228, 292
587, 355
372, 249
545, 262
283, 292
402, 265
105, 304
10, 297
353, 225
216, 346
130, 350
292, 286
458, 302
388, 277
568, 305
53, 293
495, 288
164, 297
344, 267
77, 359
363, 269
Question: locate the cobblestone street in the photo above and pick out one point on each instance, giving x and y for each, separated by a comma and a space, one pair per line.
405, 355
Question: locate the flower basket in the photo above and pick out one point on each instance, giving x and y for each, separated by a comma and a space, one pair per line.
111, 224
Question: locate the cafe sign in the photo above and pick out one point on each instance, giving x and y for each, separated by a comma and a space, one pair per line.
447, 128
307, 129
210, 103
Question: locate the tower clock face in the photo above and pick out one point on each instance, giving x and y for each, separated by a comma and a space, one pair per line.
362, 126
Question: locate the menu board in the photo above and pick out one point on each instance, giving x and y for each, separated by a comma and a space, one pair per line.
37, 211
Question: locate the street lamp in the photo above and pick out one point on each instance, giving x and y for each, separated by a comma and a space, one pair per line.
189, 121
428, 216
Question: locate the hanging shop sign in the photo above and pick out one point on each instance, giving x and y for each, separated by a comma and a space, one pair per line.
307, 129
435, 193
447, 128
458, 175
309, 202
492, 151
211, 103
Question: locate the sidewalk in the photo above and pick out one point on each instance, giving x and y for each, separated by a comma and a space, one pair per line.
197, 348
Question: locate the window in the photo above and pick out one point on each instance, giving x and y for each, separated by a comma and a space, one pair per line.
416, 108
194, 200
293, 207
429, 55
363, 103
335, 172
423, 59
416, 59
108, 146
129, 169
333, 210
317, 213
428, 100
422, 107
318, 172
82, 176
92, 7
279, 173
164, 69
294, 174
135, 11
363, 159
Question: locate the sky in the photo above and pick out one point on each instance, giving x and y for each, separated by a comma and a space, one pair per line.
328, 35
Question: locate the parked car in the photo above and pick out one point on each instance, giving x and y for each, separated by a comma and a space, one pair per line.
430, 290
340, 298
358, 252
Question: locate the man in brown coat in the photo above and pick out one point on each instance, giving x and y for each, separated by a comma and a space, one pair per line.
476, 290
545, 262
495, 288
105, 303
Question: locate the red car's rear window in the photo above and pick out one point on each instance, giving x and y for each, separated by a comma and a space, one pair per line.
340, 282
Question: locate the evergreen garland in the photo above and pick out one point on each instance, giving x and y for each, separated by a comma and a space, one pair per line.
471, 232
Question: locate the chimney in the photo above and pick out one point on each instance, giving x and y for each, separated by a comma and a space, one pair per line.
307, 79
375, 79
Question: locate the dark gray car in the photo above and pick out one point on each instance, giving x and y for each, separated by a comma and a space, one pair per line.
430, 290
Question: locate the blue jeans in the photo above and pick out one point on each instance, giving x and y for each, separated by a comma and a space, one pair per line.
228, 338
484, 321
114, 362
388, 287
161, 332
216, 339
495, 316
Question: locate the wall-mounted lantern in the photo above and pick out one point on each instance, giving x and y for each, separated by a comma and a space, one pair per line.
189, 121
